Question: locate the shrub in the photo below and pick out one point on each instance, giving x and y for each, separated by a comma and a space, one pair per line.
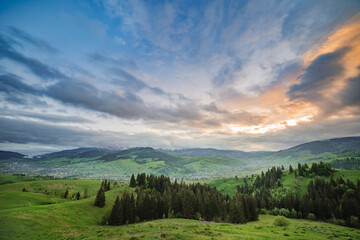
281, 221
275, 211
284, 212
312, 217
354, 222
198, 216
293, 213
262, 211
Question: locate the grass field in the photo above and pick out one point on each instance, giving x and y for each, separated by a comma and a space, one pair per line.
71, 219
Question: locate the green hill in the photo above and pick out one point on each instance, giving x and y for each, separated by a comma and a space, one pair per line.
26, 215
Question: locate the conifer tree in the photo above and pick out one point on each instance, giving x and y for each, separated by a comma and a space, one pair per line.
116, 216
78, 196
66, 193
100, 198
132, 181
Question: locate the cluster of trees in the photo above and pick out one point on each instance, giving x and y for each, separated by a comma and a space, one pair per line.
334, 200
319, 169
158, 197
100, 197
266, 181
349, 163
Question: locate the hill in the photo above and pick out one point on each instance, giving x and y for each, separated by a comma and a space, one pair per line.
38, 215
5, 155
190, 164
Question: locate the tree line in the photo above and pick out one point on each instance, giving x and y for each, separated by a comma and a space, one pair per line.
158, 197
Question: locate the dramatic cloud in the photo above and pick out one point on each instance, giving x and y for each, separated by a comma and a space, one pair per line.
245, 75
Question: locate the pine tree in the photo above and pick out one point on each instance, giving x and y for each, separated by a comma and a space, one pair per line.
132, 209
291, 170
78, 196
66, 193
108, 186
100, 198
132, 181
116, 216
236, 213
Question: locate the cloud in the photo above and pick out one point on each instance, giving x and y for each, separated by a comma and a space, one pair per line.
43, 71
15, 91
11, 84
227, 73
319, 76
351, 94
131, 83
307, 23
44, 116
26, 37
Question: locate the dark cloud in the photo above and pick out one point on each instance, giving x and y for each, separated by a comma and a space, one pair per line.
212, 107
26, 37
350, 96
319, 76
126, 105
85, 95
131, 83
15, 91
23, 131
43, 71
12, 84
17, 131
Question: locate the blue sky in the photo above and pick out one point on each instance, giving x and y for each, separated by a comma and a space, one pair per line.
248, 75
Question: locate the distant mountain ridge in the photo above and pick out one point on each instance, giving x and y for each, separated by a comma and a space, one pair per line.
4, 155
314, 147
194, 163
329, 145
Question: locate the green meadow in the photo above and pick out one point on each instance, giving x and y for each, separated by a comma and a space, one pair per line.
42, 213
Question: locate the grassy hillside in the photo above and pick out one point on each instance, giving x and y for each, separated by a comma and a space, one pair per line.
67, 219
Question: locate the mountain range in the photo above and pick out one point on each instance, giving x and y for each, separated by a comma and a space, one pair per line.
194, 163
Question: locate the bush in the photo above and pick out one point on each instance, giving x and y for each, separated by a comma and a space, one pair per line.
293, 213
281, 221
275, 211
262, 211
284, 212
198, 216
312, 217
354, 222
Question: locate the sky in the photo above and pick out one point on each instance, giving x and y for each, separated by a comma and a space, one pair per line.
246, 75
